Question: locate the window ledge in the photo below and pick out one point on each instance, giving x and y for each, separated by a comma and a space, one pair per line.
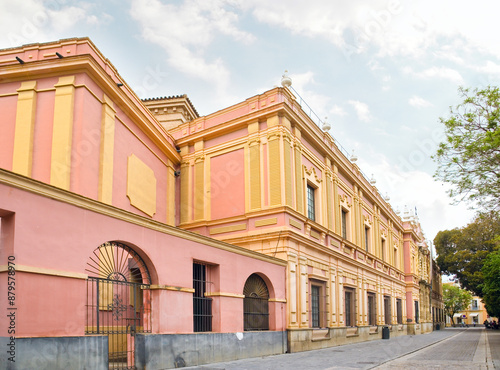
352, 332
320, 334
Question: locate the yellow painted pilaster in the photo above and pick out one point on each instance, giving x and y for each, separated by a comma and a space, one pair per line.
361, 303
274, 169
329, 200
292, 290
171, 196
360, 225
185, 181
336, 202
303, 292
107, 151
299, 182
333, 304
199, 188
199, 181
340, 304
25, 127
60, 170
254, 177
355, 217
287, 146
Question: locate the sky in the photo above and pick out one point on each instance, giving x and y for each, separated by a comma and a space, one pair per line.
382, 72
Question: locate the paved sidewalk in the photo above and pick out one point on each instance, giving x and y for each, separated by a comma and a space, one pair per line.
365, 355
494, 341
468, 350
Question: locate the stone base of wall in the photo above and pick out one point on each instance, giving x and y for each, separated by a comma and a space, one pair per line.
309, 339
166, 351
427, 327
414, 329
52, 353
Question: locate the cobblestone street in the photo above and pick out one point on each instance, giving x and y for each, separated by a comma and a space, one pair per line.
452, 348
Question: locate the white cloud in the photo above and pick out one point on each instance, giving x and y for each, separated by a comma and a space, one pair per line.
393, 27
418, 102
337, 111
437, 72
33, 21
186, 30
418, 189
362, 110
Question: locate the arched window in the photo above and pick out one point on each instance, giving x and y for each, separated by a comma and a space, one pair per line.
256, 304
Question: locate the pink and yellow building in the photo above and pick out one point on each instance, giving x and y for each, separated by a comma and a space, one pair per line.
262, 175
88, 208
156, 238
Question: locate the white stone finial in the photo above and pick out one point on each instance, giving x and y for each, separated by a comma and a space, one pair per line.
372, 180
326, 126
386, 197
285, 80
354, 157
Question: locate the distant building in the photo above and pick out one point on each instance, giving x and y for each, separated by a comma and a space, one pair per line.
475, 314
438, 315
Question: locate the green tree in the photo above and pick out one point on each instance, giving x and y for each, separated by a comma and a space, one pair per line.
469, 158
462, 252
455, 300
491, 285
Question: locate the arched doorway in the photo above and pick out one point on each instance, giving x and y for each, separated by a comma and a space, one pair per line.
256, 304
118, 300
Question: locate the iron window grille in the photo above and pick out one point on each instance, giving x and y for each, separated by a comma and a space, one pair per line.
255, 304
417, 318
387, 310
399, 311
372, 309
349, 307
202, 305
311, 208
366, 238
344, 224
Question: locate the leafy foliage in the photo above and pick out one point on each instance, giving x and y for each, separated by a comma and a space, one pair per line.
455, 300
469, 158
491, 285
462, 252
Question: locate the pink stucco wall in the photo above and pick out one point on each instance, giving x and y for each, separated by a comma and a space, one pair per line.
227, 184
54, 235
42, 141
8, 106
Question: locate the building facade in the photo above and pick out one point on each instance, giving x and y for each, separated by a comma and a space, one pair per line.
438, 315
100, 274
475, 314
262, 175
141, 234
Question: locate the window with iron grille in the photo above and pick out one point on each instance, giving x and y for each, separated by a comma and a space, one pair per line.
255, 304
474, 305
399, 311
317, 304
202, 305
311, 210
387, 310
367, 230
349, 307
382, 247
344, 224
372, 309
417, 318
